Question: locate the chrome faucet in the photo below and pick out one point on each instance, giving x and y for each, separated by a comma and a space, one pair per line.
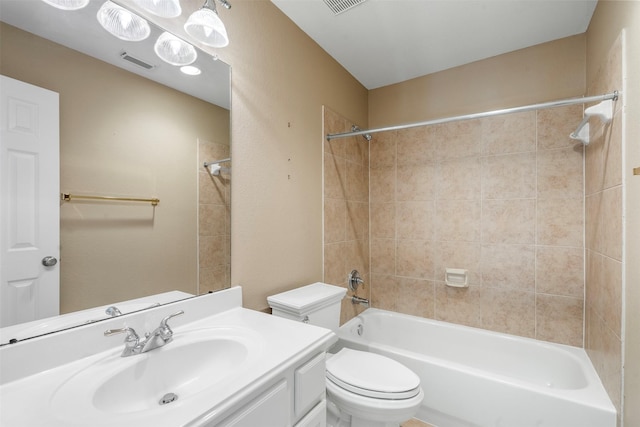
162, 335
113, 311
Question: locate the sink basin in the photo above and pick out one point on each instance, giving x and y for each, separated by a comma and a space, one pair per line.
193, 362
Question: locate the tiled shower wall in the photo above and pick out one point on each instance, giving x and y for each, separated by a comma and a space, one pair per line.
501, 197
214, 220
604, 248
346, 209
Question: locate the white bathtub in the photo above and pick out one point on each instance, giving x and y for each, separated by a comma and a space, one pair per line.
477, 378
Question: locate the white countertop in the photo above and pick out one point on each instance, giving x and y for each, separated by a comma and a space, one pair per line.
26, 400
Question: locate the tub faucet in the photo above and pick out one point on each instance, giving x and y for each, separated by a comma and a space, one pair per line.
162, 335
359, 300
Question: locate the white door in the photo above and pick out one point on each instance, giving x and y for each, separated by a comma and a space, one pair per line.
29, 202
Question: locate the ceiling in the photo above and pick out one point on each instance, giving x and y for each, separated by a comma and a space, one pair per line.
381, 42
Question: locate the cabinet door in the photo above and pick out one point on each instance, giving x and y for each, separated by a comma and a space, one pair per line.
310, 385
270, 409
317, 417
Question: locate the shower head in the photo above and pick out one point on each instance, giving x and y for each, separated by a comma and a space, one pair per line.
366, 136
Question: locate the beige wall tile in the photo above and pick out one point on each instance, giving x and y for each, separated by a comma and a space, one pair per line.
509, 133
335, 217
415, 258
416, 297
415, 220
560, 173
211, 190
383, 220
213, 251
511, 176
383, 151
554, 126
605, 351
611, 222
383, 256
357, 221
611, 294
458, 305
613, 150
458, 139
356, 256
560, 222
211, 220
385, 293
508, 221
465, 255
459, 179
357, 150
335, 177
508, 311
383, 184
357, 185
415, 182
458, 220
335, 270
508, 266
416, 146
559, 271
559, 319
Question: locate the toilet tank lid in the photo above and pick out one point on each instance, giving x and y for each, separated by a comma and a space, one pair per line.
307, 297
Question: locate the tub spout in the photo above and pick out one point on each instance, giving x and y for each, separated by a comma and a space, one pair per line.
358, 300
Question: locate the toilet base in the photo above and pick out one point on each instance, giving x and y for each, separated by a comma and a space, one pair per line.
335, 419
338, 418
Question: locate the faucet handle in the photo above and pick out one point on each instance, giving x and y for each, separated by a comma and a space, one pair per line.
132, 336
164, 328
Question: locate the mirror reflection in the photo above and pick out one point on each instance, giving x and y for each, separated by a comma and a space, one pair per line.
131, 132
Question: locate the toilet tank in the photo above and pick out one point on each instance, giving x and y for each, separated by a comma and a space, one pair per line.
317, 304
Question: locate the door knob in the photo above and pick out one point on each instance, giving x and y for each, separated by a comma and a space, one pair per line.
49, 261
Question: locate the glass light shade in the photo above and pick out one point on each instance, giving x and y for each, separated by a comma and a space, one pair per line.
122, 23
174, 50
206, 26
67, 4
163, 8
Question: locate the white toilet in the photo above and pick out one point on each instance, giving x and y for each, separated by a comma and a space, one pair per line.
363, 389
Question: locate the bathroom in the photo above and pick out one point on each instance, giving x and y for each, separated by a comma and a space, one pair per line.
282, 80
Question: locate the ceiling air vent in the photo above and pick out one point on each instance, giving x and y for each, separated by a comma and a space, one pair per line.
136, 61
339, 6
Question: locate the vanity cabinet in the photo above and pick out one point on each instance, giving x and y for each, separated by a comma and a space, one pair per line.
296, 398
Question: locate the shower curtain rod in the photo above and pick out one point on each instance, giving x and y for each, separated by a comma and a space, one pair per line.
563, 102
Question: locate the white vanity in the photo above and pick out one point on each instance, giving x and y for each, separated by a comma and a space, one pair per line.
225, 366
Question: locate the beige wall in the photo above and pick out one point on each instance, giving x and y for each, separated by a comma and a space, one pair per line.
281, 79
541, 73
617, 346
115, 142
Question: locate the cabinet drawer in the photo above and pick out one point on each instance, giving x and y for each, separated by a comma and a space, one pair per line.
309, 385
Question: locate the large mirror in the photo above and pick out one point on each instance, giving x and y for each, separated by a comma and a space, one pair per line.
130, 126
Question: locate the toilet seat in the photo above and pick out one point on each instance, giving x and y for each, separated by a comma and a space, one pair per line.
372, 375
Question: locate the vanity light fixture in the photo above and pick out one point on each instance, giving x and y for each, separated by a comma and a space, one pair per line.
174, 50
67, 4
122, 23
162, 8
206, 26
190, 70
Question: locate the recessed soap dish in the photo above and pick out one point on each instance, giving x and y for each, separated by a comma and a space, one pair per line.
457, 277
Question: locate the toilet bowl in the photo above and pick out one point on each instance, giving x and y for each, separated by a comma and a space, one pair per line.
370, 390
363, 389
